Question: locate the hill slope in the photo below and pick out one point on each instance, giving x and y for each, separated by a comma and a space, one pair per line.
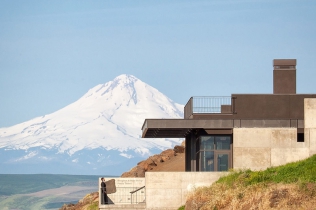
168, 160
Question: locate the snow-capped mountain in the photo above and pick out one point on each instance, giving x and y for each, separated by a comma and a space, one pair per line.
99, 131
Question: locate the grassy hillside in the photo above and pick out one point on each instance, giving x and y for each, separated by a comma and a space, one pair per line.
291, 186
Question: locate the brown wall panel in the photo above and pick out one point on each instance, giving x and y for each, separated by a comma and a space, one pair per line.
284, 81
261, 106
270, 106
297, 105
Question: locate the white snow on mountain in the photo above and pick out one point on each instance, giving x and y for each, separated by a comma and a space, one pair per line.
108, 116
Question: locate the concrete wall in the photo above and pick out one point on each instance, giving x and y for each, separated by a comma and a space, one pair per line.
310, 124
123, 188
260, 148
168, 190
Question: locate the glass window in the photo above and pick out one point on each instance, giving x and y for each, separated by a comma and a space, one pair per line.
198, 144
213, 153
207, 143
207, 161
222, 162
222, 142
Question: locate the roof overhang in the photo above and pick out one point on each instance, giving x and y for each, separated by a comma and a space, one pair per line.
179, 128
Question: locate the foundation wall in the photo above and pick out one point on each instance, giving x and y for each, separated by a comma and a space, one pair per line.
169, 190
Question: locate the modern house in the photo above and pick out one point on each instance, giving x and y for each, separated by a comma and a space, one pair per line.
242, 131
253, 131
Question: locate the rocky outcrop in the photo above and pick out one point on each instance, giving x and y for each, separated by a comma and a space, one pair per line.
88, 202
153, 161
179, 149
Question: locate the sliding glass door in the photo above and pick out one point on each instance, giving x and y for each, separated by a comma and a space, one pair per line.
214, 153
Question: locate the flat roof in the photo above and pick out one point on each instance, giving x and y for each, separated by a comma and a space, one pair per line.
179, 128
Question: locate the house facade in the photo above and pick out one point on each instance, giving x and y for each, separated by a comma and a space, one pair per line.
252, 131
242, 131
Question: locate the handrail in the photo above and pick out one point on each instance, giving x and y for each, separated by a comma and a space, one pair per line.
132, 192
136, 190
123, 195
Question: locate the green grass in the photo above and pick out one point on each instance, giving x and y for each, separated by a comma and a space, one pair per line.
94, 206
303, 171
181, 208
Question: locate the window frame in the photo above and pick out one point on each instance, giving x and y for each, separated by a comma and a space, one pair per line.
201, 150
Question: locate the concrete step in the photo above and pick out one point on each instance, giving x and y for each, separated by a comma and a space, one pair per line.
123, 206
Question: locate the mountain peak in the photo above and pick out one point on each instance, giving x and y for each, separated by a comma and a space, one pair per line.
125, 77
109, 116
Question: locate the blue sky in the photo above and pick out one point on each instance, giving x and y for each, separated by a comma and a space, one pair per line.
53, 52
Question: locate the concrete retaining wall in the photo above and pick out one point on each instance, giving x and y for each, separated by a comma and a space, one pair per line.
123, 188
168, 190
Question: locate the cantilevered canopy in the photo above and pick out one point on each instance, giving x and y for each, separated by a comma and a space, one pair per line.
179, 128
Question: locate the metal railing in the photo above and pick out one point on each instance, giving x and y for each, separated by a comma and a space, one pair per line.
135, 191
207, 104
126, 195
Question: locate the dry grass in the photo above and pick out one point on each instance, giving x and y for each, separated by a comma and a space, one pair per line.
258, 196
291, 186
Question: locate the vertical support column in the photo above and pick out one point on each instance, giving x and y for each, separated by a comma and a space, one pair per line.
190, 147
188, 153
193, 152
310, 124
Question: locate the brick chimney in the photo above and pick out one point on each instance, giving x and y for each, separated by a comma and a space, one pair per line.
284, 76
